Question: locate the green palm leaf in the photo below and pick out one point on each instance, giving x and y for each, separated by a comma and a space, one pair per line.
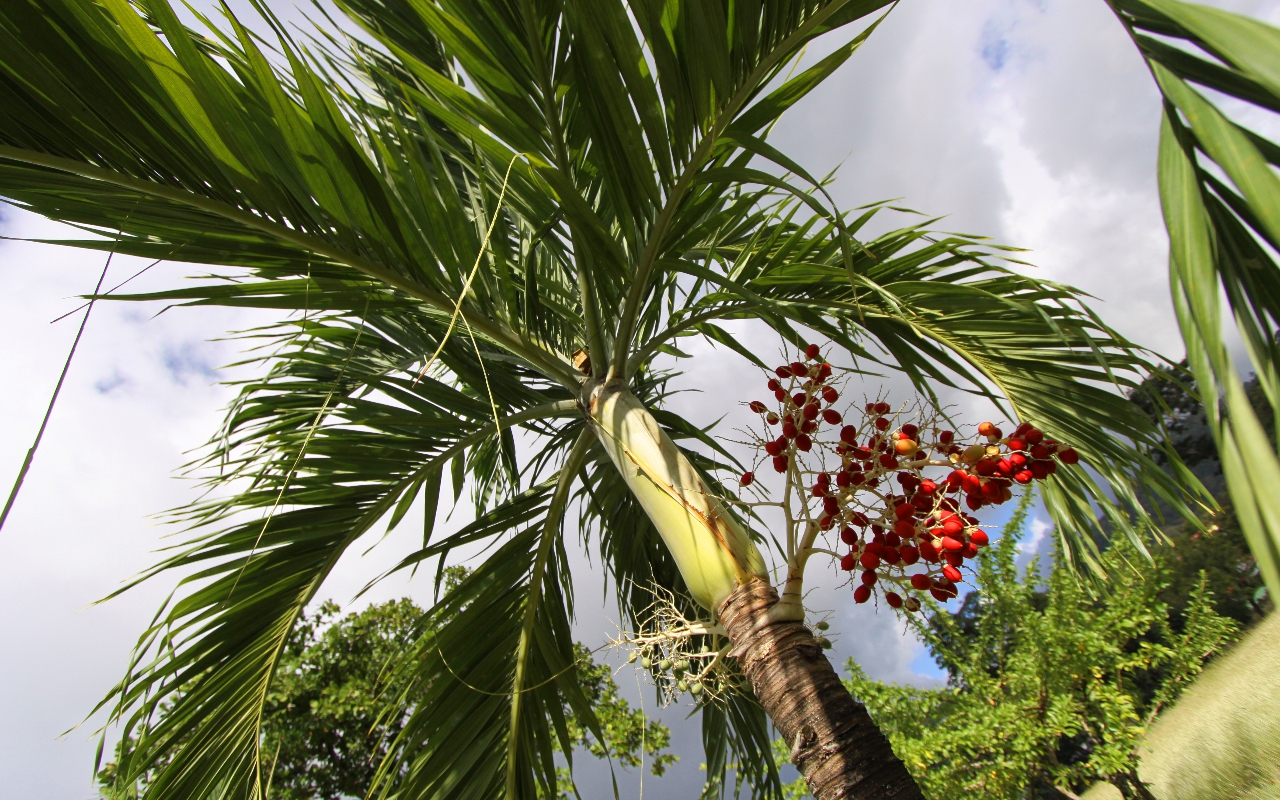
1223, 233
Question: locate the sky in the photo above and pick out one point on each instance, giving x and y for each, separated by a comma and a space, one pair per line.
1031, 121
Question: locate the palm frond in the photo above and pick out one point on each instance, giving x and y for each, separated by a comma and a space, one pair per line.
1221, 200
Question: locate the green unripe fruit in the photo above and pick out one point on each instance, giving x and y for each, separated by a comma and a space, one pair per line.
646, 662
631, 658
664, 664
824, 643
706, 649
695, 688
822, 626
683, 665
682, 686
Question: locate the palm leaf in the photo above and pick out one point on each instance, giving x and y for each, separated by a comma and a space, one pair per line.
1221, 200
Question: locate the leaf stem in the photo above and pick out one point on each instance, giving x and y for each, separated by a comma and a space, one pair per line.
551, 530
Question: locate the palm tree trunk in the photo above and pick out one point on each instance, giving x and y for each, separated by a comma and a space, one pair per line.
835, 745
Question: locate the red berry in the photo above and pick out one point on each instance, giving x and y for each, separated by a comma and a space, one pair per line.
848, 536
869, 577
824, 478
970, 550
985, 467
881, 408
862, 594
979, 537
819, 490
849, 435
952, 525
831, 505
1022, 429
780, 395
921, 582
848, 562
953, 557
910, 431
893, 599
798, 398
952, 543
911, 604
1069, 456
1039, 451
808, 426
888, 462
812, 352
1040, 469
747, 478
909, 554
789, 429
928, 552
869, 560
758, 407
772, 418
783, 372
831, 416
826, 522
799, 370
824, 371
871, 408
1024, 476
1017, 444
780, 463
843, 479
946, 437
928, 487
830, 395
952, 574
774, 385
904, 528
882, 423
859, 519
1034, 436
973, 501
804, 443
1004, 466
905, 511
811, 411
1018, 460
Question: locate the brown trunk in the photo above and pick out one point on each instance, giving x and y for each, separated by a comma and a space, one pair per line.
835, 745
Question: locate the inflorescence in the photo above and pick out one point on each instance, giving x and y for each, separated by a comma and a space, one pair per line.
908, 532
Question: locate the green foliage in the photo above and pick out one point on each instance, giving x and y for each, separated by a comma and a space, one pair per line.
1221, 200
1048, 684
328, 724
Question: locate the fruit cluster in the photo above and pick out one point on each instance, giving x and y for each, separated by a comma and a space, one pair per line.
907, 532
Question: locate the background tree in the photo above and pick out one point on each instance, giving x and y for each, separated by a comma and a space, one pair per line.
444, 211
327, 724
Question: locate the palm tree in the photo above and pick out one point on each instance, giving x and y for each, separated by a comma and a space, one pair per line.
483, 222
